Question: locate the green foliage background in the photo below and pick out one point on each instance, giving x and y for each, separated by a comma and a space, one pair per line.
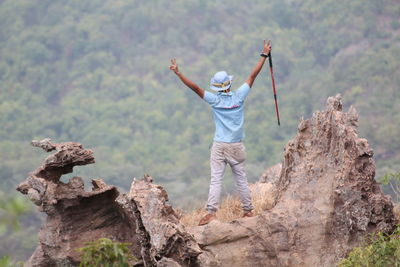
105, 252
96, 72
379, 250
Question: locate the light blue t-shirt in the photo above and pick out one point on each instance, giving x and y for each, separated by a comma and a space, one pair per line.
228, 111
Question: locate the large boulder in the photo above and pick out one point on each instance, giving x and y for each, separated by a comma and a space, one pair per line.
326, 200
142, 217
167, 242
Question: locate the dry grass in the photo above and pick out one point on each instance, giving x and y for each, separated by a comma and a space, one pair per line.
230, 208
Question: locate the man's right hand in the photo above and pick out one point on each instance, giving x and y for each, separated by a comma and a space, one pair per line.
267, 47
266, 50
174, 66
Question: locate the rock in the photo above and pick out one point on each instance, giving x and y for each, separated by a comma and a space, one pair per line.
319, 203
334, 103
45, 144
167, 262
326, 201
167, 239
142, 218
34, 196
98, 184
73, 215
272, 174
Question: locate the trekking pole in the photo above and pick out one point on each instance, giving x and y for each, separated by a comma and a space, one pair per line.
273, 86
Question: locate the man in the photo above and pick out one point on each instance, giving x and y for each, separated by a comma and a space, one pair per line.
228, 111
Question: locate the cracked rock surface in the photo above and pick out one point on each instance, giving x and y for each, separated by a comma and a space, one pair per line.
143, 217
324, 201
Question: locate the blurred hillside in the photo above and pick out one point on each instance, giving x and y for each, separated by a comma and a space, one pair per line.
96, 72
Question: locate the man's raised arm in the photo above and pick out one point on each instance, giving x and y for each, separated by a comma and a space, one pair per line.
258, 67
186, 81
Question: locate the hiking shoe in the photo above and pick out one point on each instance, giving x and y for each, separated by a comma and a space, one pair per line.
208, 218
247, 214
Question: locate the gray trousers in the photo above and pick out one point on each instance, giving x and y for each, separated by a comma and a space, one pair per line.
235, 155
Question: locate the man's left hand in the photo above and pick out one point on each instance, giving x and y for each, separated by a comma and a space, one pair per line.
174, 66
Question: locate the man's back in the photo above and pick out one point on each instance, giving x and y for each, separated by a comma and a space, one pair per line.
228, 111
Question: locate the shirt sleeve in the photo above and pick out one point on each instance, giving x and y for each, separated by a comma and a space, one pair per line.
243, 91
210, 98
